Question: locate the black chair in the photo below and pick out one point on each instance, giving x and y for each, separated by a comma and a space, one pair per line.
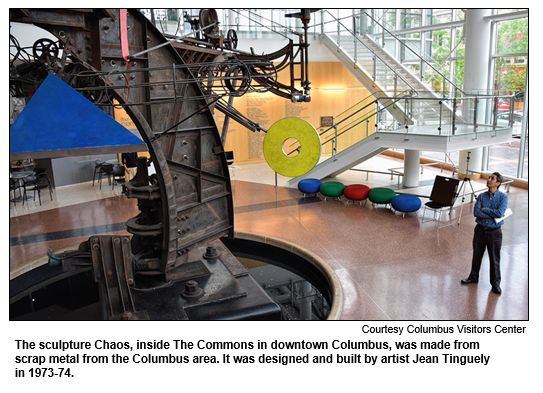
118, 175
14, 185
27, 183
443, 196
97, 170
38, 170
105, 170
37, 183
229, 157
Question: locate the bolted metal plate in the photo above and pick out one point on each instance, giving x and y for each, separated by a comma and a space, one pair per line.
223, 290
188, 271
219, 286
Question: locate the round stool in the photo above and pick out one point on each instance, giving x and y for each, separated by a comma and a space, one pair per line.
381, 195
332, 189
356, 192
309, 186
406, 203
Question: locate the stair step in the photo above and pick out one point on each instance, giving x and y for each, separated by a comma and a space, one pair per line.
392, 76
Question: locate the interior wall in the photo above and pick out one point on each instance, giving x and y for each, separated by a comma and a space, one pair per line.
334, 89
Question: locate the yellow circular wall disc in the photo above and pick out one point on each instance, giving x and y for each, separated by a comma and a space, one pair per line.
276, 150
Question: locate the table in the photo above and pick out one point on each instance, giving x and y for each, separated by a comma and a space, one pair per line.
22, 166
21, 174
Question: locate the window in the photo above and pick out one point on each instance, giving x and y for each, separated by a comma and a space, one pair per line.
510, 74
510, 64
512, 37
410, 18
441, 16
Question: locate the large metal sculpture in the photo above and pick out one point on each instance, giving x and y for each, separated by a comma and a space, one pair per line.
169, 87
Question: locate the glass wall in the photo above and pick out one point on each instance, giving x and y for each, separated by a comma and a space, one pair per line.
510, 64
443, 51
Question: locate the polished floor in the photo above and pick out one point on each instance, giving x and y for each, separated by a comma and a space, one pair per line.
390, 267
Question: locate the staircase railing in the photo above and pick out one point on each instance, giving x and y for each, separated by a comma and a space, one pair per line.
436, 63
348, 113
399, 82
387, 74
472, 117
452, 87
359, 114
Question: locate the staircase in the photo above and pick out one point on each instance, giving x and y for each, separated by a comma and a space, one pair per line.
420, 138
424, 119
382, 74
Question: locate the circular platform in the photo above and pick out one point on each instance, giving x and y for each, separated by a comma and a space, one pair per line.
43, 283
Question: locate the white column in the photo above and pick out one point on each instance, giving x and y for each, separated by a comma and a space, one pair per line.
476, 71
477, 54
411, 168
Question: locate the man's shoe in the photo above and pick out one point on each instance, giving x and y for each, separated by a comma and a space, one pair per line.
469, 280
496, 289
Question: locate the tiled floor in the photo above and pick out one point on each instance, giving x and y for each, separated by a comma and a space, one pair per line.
389, 266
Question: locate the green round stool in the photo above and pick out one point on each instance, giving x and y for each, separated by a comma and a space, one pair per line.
332, 189
381, 195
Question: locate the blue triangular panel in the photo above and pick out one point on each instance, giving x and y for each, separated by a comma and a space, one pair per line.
57, 117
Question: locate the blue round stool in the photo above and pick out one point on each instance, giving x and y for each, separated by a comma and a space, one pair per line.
406, 203
309, 186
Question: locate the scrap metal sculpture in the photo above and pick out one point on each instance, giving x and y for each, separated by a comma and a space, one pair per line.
169, 87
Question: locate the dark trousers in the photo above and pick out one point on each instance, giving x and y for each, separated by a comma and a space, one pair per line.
490, 240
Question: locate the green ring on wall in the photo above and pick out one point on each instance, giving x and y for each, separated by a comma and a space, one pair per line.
310, 146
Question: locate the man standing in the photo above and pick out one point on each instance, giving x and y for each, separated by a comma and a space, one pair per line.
490, 204
129, 161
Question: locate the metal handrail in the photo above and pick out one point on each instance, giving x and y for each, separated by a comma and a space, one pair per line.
396, 99
416, 54
348, 109
368, 48
358, 121
393, 101
403, 94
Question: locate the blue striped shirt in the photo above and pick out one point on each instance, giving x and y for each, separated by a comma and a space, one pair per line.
494, 204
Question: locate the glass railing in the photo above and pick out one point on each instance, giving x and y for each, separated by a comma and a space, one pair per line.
471, 117
359, 121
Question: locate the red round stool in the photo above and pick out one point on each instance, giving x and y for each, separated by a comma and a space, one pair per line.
356, 192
